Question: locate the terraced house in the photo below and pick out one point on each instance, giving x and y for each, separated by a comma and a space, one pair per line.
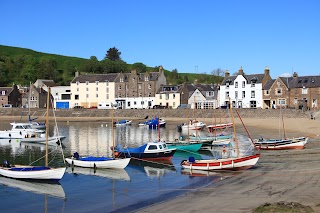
124, 90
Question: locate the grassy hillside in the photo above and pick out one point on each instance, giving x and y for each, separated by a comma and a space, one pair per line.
76, 63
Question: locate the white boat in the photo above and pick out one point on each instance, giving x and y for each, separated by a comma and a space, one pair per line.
99, 162
123, 123
19, 130
281, 144
193, 125
29, 172
114, 174
54, 190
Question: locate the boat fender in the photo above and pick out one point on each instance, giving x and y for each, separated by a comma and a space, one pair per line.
10, 135
20, 133
94, 167
224, 149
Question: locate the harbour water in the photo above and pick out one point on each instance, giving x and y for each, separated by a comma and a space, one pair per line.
85, 190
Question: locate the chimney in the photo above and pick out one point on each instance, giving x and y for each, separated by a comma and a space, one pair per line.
266, 71
195, 82
295, 75
226, 74
240, 71
76, 74
133, 72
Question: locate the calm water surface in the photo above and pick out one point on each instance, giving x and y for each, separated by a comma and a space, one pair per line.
85, 190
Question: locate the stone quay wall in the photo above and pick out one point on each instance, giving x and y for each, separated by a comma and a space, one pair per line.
100, 114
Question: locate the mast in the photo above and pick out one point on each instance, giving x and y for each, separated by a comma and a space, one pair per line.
112, 133
188, 124
47, 125
29, 101
284, 131
158, 124
234, 129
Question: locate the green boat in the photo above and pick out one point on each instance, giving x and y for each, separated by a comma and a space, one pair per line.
187, 147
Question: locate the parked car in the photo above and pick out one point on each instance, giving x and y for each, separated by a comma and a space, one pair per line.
7, 106
77, 107
184, 106
159, 107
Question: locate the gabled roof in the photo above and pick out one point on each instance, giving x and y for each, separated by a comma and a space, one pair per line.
7, 90
110, 77
268, 84
253, 77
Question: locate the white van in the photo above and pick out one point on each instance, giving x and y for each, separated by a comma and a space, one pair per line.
104, 105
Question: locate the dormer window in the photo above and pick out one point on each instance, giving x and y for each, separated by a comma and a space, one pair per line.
253, 84
312, 80
3, 92
146, 78
121, 79
77, 82
107, 83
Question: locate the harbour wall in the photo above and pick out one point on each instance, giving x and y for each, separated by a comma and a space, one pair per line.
100, 114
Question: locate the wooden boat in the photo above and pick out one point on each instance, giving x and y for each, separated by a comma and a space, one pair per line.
281, 144
275, 144
213, 127
29, 172
149, 151
99, 162
229, 163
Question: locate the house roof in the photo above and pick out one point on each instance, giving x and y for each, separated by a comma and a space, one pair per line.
257, 77
268, 84
7, 90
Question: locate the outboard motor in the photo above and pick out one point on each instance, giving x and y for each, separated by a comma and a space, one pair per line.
76, 155
6, 164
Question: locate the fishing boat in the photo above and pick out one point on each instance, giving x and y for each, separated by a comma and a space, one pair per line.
283, 143
237, 162
154, 123
101, 161
29, 172
150, 151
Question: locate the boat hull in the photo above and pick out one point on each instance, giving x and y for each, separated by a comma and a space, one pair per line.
164, 155
17, 172
240, 163
105, 164
296, 143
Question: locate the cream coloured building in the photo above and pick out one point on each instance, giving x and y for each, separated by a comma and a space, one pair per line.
168, 96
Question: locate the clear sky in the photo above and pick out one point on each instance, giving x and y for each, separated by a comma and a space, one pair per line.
187, 35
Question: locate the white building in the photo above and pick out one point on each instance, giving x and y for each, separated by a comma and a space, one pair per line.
243, 91
61, 96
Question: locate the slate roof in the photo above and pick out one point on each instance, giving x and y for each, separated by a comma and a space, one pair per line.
304, 81
7, 90
110, 77
268, 84
257, 77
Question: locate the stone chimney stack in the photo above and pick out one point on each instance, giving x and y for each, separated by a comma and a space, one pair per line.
240, 71
295, 75
226, 74
266, 71
76, 74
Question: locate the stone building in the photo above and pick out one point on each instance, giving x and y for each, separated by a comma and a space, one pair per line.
10, 95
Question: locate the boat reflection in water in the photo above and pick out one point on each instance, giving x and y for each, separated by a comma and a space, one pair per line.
51, 189
201, 173
114, 174
153, 169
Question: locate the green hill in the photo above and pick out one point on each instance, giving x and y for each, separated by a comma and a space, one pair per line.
21, 65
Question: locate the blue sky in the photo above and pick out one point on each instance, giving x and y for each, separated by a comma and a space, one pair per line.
190, 36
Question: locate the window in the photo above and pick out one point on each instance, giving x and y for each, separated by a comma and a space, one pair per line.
139, 86
167, 96
87, 89
146, 78
253, 84
140, 94
97, 96
282, 101
253, 94
243, 94
76, 97
227, 94
97, 89
160, 96
77, 89
87, 96
174, 104
243, 84
227, 85
295, 101
119, 87
107, 90
304, 91
278, 91
107, 83
134, 103
97, 82
267, 92
149, 95
149, 86
236, 94
107, 96
253, 104
87, 82
152, 147
173, 96
129, 103
77, 82
121, 79
236, 84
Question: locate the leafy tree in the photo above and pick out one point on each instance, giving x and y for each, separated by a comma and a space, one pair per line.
47, 68
174, 74
113, 54
140, 67
109, 66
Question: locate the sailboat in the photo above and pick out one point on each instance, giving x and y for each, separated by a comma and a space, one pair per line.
29, 172
237, 162
99, 162
281, 144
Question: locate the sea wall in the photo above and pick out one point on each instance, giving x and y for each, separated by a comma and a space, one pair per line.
166, 113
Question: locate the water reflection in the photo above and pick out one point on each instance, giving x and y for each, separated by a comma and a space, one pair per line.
153, 169
114, 174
